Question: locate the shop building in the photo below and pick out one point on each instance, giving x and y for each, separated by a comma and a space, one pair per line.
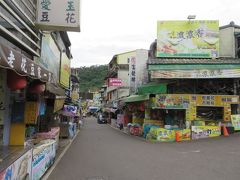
201, 91
35, 71
199, 68
24, 81
127, 71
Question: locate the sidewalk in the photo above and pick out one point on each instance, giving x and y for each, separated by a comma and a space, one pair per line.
64, 144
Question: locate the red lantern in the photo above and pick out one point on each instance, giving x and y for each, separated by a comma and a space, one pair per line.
37, 88
15, 81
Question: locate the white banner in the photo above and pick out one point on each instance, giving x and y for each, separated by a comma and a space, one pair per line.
196, 74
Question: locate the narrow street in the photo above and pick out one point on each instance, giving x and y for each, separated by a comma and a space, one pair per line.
102, 153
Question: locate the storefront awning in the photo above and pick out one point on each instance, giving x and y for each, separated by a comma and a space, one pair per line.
152, 88
55, 89
14, 60
135, 98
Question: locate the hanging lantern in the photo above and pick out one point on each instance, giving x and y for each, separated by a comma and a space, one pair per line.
15, 82
37, 87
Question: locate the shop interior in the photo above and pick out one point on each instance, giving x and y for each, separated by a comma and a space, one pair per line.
171, 118
210, 115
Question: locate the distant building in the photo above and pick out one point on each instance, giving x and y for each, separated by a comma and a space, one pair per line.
127, 71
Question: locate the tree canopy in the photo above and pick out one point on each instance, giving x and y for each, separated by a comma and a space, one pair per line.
92, 78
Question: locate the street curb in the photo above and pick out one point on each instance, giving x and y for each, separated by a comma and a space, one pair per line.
137, 137
50, 170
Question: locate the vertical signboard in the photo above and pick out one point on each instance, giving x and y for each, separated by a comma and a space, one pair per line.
65, 71
189, 39
50, 56
132, 74
58, 15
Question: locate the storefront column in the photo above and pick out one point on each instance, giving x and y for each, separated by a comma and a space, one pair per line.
7, 120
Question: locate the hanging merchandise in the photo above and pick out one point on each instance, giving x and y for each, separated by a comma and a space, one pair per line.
15, 82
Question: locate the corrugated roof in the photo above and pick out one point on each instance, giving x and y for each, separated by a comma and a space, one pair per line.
193, 61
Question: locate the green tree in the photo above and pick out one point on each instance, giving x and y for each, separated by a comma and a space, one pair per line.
92, 78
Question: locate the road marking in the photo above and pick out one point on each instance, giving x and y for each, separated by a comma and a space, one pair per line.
96, 178
186, 152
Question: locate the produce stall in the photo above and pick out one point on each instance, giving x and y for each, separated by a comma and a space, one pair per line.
195, 116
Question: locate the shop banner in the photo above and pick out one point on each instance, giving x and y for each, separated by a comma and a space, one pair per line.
70, 108
189, 39
236, 121
24, 66
43, 158
199, 132
115, 82
63, 16
65, 71
58, 104
196, 74
184, 100
212, 100
161, 134
20, 169
185, 134
173, 101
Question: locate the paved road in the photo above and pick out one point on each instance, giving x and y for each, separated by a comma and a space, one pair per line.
102, 153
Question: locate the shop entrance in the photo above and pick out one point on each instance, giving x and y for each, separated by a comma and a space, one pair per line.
174, 118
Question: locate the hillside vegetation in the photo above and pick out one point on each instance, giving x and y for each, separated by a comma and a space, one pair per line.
92, 78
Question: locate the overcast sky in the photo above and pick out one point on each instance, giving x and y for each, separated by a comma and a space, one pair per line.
110, 27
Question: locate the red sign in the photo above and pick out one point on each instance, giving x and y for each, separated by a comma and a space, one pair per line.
115, 82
